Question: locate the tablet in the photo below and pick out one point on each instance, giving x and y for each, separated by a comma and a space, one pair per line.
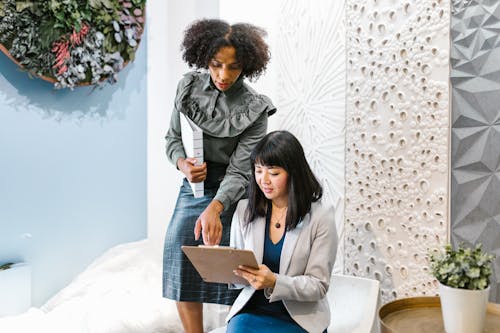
217, 263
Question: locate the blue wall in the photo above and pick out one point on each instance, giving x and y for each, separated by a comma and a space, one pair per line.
72, 172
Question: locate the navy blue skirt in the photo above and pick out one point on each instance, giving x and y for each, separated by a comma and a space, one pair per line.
181, 281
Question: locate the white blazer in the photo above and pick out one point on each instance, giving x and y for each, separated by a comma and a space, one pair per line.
306, 264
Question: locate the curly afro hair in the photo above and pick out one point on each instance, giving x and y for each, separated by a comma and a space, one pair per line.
204, 38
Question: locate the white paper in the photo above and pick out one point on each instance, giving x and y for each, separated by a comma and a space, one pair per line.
192, 140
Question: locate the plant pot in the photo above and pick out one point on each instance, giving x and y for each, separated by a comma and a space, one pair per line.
15, 289
464, 311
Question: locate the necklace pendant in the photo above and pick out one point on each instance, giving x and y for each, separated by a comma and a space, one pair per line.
277, 225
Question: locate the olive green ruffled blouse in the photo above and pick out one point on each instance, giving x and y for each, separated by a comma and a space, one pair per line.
233, 122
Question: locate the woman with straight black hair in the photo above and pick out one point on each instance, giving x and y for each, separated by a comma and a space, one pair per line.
294, 238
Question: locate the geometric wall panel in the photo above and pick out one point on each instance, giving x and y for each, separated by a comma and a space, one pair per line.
475, 153
310, 65
397, 129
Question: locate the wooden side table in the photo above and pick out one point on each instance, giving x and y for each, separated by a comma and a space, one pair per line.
423, 314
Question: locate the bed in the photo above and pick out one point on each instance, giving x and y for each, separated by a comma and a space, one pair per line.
120, 292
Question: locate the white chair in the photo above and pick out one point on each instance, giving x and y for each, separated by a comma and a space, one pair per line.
353, 305
219, 330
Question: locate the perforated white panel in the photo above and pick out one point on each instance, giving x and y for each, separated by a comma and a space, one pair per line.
397, 141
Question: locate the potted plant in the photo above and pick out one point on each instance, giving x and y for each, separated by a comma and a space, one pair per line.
15, 288
463, 276
6, 266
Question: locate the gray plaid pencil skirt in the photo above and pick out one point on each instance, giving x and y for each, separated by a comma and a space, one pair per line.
181, 281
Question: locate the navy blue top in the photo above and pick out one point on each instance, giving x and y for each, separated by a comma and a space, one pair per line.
259, 304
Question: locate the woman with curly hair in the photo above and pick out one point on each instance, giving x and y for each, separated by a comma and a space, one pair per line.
233, 118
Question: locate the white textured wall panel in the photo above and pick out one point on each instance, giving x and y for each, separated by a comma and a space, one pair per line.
397, 125
310, 66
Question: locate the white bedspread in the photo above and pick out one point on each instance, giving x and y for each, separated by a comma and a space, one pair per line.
120, 292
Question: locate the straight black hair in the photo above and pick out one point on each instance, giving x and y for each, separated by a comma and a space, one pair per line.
282, 149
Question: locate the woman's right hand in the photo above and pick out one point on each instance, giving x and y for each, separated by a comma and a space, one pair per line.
194, 173
259, 278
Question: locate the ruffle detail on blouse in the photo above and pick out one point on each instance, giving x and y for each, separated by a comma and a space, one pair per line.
248, 109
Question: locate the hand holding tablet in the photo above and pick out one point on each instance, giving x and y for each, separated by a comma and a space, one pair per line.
217, 263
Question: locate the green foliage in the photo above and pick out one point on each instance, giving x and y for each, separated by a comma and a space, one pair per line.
464, 268
69, 14
48, 32
6, 266
101, 4
72, 41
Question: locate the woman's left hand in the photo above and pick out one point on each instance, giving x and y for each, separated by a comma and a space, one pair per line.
258, 278
209, 224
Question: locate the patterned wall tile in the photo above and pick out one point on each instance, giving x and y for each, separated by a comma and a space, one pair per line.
397, 125
475, 153
310, 58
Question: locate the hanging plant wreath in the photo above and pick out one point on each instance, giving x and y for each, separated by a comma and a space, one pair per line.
72, 42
